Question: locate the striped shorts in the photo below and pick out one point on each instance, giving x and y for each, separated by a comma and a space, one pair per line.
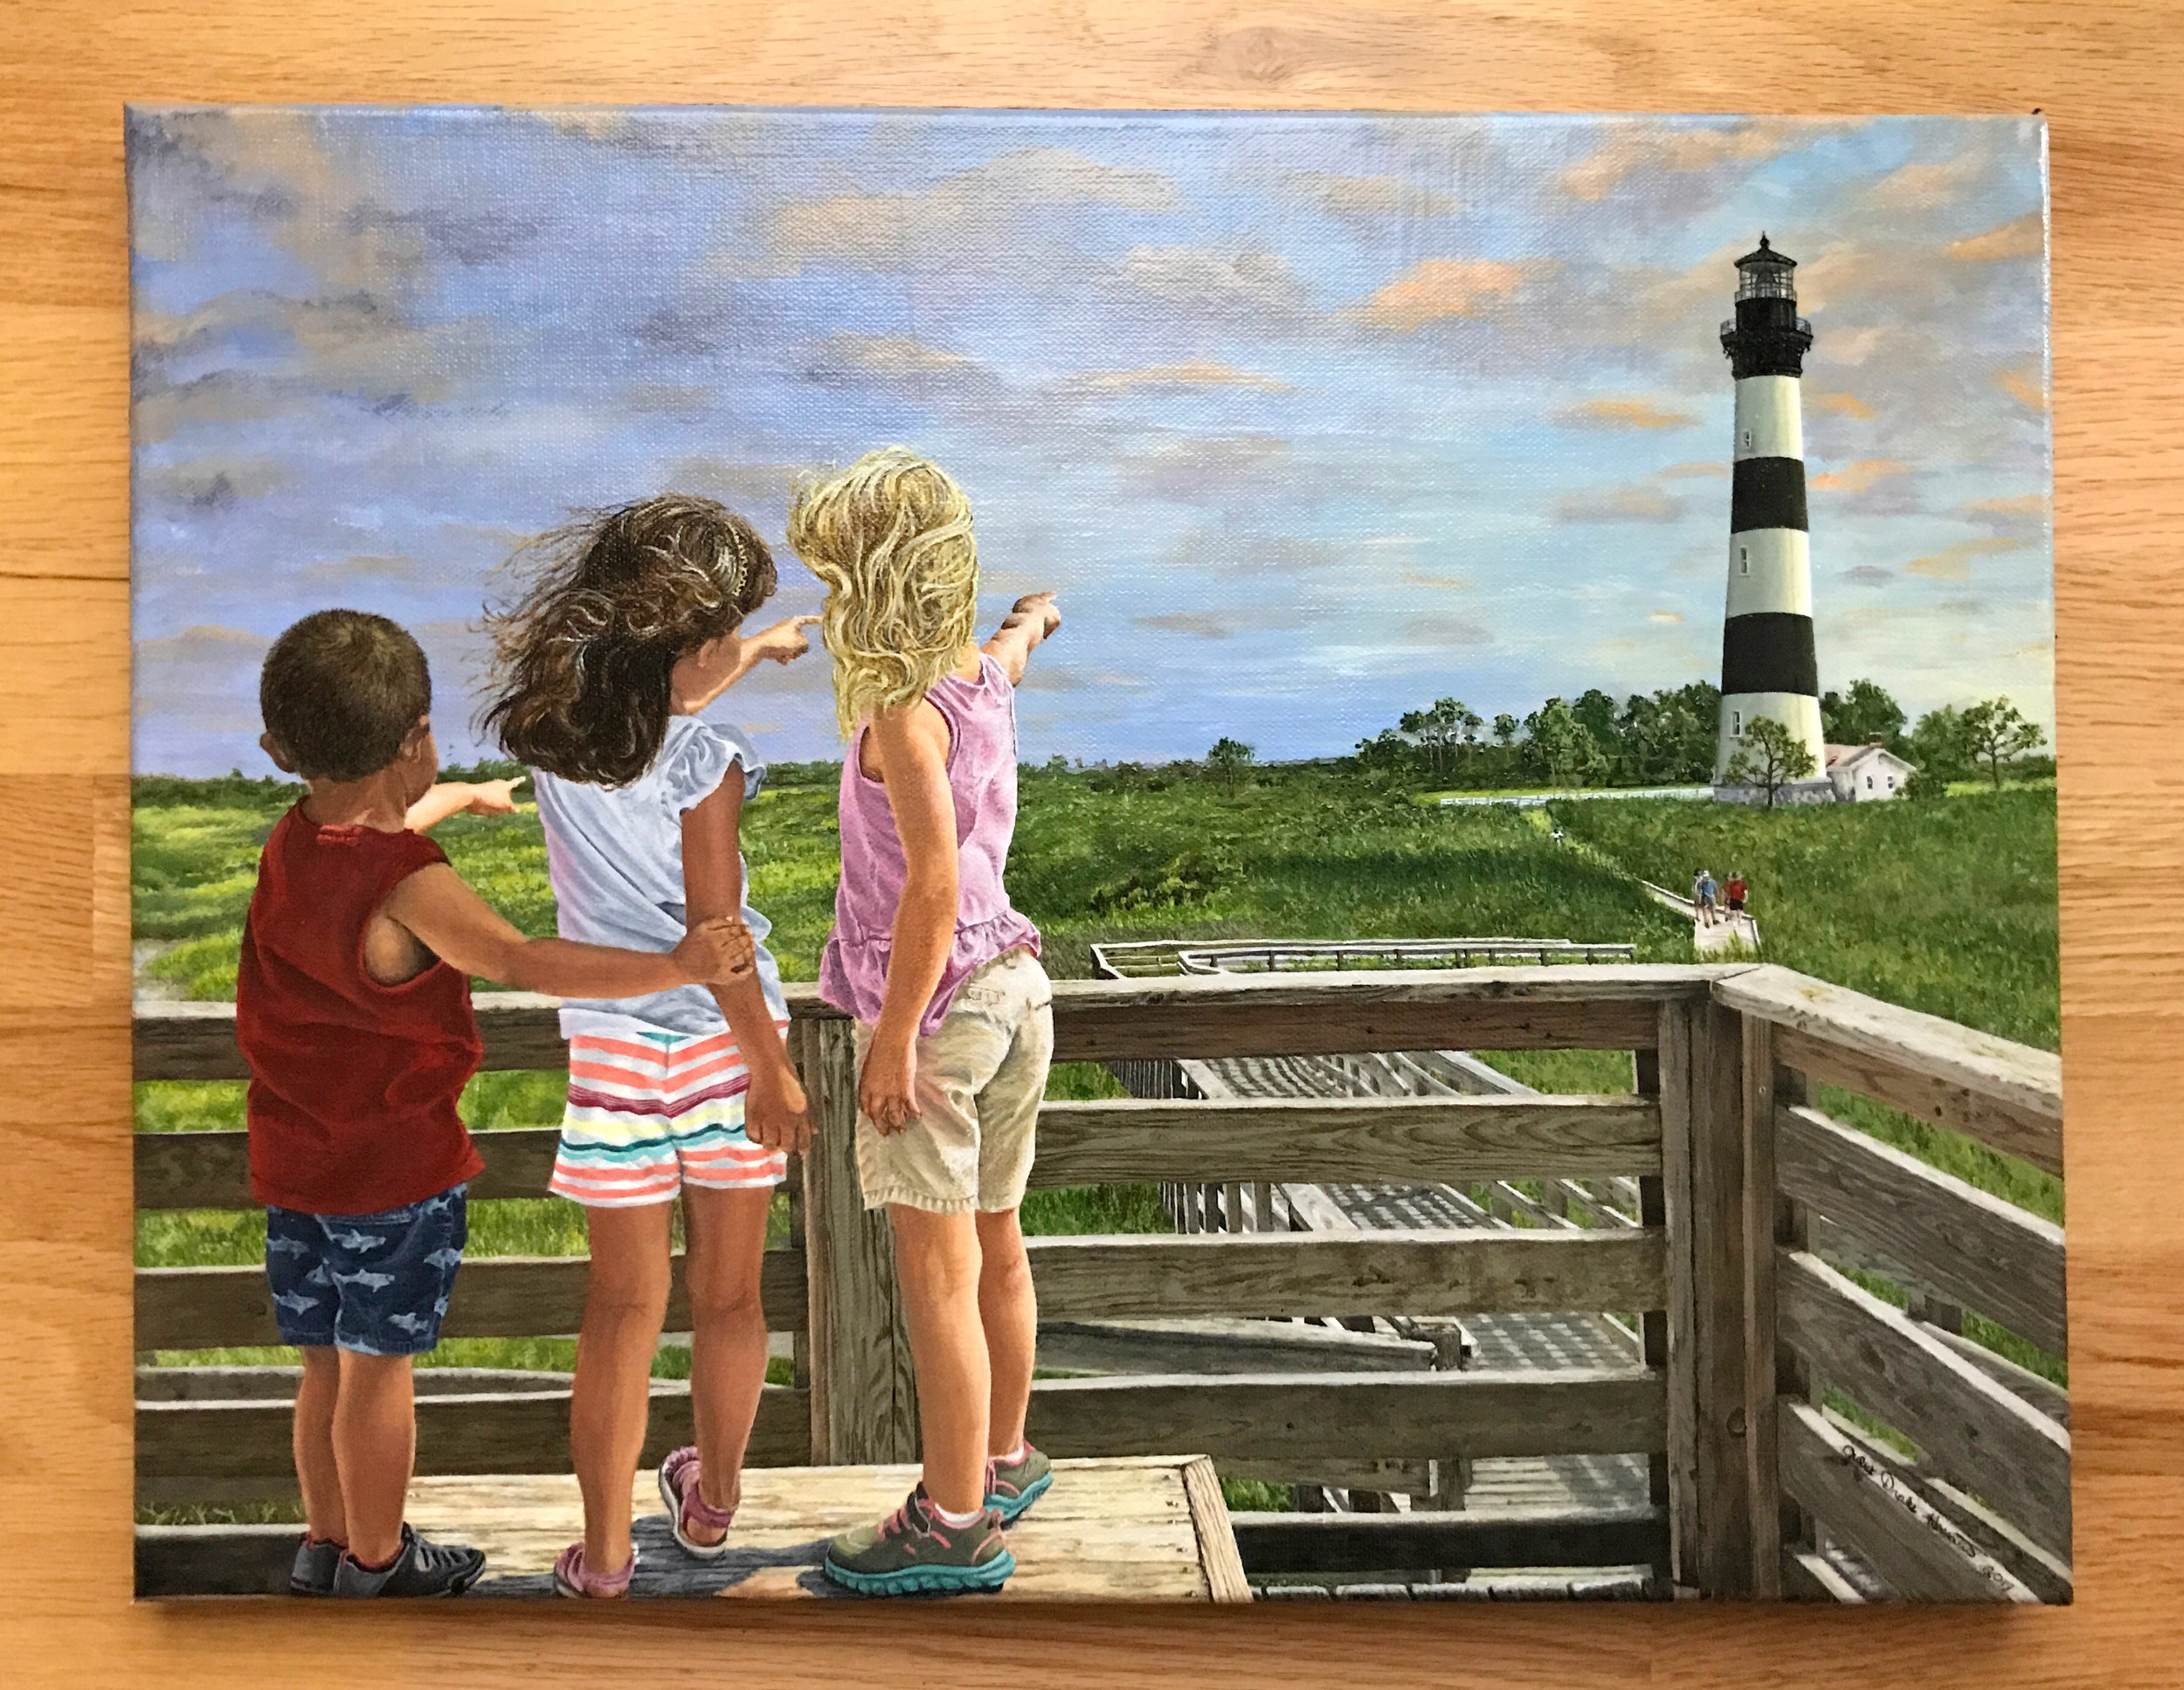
649, 1112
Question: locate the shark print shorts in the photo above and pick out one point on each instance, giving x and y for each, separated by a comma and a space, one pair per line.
375, 1284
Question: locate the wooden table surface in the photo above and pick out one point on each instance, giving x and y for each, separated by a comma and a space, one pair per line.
2108, 77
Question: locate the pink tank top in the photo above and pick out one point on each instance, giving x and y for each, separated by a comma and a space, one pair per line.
982, 778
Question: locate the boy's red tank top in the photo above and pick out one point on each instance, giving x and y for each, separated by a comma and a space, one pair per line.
353, 1083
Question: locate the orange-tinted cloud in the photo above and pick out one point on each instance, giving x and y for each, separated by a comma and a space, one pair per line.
1623, 414
1203, 373
1841, 404
1634, 501
2021, 238
1954, 562
1435, 288
1857, 478
1696, 466
2023, 383
1646, 147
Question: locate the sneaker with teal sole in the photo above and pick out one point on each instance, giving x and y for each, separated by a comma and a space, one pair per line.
1012, 1487
915, 1552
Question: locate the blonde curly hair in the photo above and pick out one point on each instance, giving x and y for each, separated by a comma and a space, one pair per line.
890, 536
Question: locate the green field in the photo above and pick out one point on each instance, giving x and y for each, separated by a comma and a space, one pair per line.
1948, 907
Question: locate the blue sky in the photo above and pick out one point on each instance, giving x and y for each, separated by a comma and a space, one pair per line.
1310, 419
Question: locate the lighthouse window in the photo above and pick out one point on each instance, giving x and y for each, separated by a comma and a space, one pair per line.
1748, 439
1744, 560
1736, 724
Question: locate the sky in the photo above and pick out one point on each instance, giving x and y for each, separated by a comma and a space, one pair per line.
1310, 419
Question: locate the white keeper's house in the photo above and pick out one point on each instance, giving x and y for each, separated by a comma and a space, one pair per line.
1866, 774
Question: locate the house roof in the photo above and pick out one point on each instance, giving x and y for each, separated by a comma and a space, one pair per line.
1844, 757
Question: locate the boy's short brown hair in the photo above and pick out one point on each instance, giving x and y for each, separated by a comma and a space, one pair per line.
340, 691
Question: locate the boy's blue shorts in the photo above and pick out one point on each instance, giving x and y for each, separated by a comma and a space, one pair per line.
375, 1284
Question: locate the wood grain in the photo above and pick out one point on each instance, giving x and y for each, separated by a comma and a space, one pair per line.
1943, 1234
495, 1297
2105, 74
1361, 1272
1973, 1431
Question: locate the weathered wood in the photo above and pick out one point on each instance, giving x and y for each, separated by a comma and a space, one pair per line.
1282, 1418
211, 1170
1913, 1550
1973, 1432
1218, 1345
1763, 1480
2043, 1394
1945, 1234
501, 1433
1807, 1576
2005, 1095
1406, 1271
1721, 1411
1365, 1139
495, 1297
1678, 1343
1604, 1007
1518, 1537
232, 1385
864, 1394
1218, 1556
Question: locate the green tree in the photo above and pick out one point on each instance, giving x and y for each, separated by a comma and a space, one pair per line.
1505, 727
1444, 729
1940, 745
1865, 712
1995, 734
1562, 747
1770, 757
1228, 759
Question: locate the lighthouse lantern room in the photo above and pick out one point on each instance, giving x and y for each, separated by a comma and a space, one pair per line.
1769, 667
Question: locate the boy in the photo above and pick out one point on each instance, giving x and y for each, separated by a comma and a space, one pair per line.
352, 1010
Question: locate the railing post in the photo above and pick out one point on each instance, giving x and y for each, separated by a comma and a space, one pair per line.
1703, 1158
1653, 1323
863, 1394
1763, 1226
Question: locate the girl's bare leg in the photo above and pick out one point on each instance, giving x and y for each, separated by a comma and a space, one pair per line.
937, 1257
1008, 1312
623, 1309
726, 1235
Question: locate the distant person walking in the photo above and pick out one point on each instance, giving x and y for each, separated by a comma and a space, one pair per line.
1704, 892
1738, 891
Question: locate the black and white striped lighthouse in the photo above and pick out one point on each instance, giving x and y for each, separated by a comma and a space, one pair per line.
1768, 667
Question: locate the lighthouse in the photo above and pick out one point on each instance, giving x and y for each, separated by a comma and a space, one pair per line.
1768, 667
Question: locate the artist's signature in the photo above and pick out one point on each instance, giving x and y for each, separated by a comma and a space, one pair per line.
1929, 1517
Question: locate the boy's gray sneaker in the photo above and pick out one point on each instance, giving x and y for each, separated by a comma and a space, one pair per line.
424, 1569
1012, 1487
313, 1575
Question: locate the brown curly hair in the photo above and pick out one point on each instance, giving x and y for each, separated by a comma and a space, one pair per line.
584, 658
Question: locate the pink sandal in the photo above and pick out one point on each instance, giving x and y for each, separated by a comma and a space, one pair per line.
573, 1578
687, 1507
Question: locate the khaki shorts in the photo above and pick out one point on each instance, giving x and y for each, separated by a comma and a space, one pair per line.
980, 1082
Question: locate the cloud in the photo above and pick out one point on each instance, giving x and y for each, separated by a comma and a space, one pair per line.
2026, 384
1840, 404
1634, 501
1860, 476
1868, 575
1370, 196
1434, 289
1643, 146
1202, 373
2023, 514
850, 358
1623, 414
1453, 583
2021, 238
344, 571
1208, 280
1925, 185
737, 483
203, 681
962, 215
1695, 468
211, 484
1191, 466
1953, 562
1206, 625
1432, 632
1664, 616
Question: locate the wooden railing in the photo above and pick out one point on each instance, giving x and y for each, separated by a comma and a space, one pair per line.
1706, 1268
